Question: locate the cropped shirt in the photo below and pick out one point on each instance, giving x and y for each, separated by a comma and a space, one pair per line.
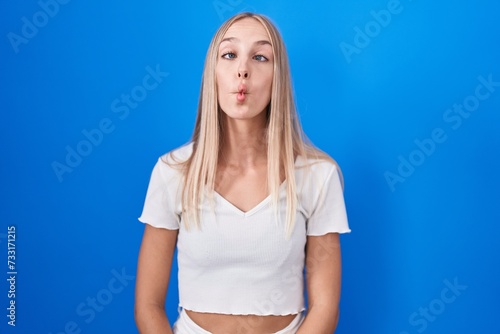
242, 262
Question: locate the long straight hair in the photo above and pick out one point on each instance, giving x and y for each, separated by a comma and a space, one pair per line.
283, 135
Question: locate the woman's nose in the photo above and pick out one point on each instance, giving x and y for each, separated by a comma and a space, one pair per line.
243, 74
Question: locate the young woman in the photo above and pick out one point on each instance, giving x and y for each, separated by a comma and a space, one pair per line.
248, 204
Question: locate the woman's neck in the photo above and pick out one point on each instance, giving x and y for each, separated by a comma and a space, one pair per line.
244, 142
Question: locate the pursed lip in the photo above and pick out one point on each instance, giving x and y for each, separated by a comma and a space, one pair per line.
241, 92
242, 89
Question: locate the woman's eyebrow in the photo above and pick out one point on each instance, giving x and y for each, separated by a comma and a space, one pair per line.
234, 39
229, 39
263, 42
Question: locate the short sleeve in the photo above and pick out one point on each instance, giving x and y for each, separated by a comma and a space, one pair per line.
161, 199
329, 212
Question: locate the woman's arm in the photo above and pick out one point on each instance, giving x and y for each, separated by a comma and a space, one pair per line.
323, 274
153, 274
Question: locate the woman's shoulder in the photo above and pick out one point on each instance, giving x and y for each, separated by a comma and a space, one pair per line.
317, 167
317, 161
178, 155
171, 164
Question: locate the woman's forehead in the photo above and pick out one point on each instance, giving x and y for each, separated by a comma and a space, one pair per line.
246, 28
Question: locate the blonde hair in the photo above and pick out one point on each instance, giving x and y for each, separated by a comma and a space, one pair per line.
284, 136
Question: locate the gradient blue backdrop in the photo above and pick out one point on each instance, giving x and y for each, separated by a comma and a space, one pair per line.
364, 97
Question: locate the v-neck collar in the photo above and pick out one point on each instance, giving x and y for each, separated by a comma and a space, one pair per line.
261, 204
253, 210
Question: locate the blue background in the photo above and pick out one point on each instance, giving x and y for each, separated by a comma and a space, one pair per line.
437, 224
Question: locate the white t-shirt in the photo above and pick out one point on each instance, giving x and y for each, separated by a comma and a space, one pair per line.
242, 262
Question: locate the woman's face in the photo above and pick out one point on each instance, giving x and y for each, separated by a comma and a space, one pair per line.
244, 70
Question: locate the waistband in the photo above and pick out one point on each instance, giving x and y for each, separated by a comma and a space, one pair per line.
185, 325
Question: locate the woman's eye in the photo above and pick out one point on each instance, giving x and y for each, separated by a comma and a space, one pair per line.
260, 58
229, 55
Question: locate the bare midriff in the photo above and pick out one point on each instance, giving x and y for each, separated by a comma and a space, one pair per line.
249, 324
